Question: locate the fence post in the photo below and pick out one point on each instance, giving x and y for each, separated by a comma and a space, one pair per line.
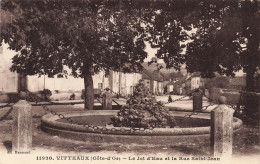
107, 101
22, 126
197, 101
221, 130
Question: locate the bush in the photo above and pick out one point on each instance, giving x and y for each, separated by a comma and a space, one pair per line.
46, 94
217, 82
13, 97
240, 113
72, 96
3, 97
82, 94
32, 97
143, 111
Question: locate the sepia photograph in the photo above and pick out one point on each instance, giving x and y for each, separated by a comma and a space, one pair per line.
129, 81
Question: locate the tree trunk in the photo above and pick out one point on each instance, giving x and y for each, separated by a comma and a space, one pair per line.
250, 85
89, 90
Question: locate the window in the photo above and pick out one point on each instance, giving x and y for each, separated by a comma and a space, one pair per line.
100, 86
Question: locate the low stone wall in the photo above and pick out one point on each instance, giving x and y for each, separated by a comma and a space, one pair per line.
6, 97
232, 96
65, 96
3, 97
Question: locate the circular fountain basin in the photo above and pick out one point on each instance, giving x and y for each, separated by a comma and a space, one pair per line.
191, 129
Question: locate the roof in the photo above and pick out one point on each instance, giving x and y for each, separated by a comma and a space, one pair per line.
238, 81
179, 81
170, 83
153, 67
127, 68
195, 74
147, 74
155, 75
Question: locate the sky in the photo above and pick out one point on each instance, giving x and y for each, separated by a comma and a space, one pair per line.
151, 52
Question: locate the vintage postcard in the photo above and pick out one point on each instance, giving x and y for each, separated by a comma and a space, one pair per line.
129, 81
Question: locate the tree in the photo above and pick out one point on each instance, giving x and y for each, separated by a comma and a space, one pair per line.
220, 36
86, 36
227, 39
218, 82
176, 75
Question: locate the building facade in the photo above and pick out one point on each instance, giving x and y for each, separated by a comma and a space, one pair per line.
8, 79
122, 83
153, 81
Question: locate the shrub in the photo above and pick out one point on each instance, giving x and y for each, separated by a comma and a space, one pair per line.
46, 93
32, 97
72, 96
252, 119
218, 82
3, 97
143, 111
13, 97
82, 94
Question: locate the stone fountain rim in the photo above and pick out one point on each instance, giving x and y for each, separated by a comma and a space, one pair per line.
49, 121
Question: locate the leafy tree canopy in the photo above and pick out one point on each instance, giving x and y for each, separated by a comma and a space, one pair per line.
79, 34
222, 36
87, 36
218, 82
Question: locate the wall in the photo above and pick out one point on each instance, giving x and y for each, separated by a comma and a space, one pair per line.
116, 81
8, 79
165, 83
160, 87
147, 84
70, 83
195, 82
169, 89
129, 81
123, 88
154, 87
114, 86
232, 96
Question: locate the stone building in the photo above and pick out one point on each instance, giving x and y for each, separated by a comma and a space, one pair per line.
154, 81
123, 83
